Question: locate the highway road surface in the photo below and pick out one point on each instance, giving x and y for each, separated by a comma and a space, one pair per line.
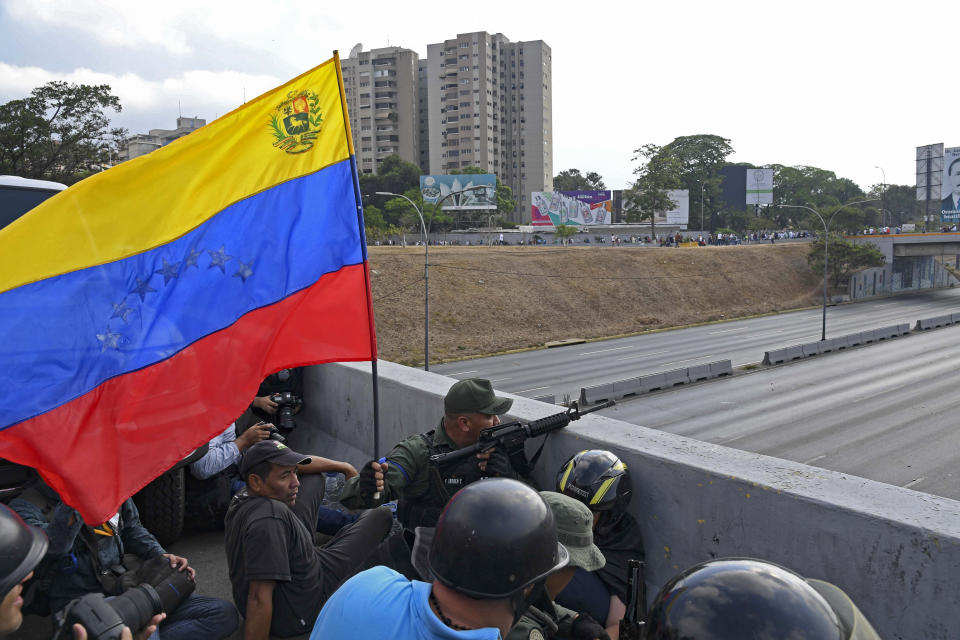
886, 411
562, 371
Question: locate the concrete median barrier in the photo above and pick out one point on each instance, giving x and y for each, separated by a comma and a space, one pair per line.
926, 324
596, 393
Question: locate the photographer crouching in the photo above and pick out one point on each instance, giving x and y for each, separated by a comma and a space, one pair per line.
279, 398
115, 575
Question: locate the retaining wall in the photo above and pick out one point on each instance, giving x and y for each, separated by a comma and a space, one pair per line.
895, 551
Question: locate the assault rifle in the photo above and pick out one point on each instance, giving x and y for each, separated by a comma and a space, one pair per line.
631, 625
510, 437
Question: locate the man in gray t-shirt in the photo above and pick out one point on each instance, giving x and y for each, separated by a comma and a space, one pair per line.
280, 578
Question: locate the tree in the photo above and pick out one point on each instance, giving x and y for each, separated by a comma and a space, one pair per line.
644, 200
812, 187
844, 257
565, 231
573, 180
60, 132
395, 175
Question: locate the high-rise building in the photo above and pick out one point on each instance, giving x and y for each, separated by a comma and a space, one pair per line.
382, 99
488, 105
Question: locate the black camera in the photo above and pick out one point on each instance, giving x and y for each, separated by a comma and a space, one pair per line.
287, 404
104, 618
276, 435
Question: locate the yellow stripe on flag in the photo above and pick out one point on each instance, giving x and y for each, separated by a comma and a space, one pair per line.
293, 130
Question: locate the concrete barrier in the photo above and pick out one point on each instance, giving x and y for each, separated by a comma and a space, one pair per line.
811, 349
896, 552
774, 356
548, 399
627, 388
596, 393
675, 377
652, 382
698, 372
926, 324
868, 336
721, 368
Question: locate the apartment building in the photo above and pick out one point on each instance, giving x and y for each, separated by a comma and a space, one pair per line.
142, 143
382, 98
488, 104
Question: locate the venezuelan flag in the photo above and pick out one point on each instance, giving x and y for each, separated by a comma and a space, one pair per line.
141, 307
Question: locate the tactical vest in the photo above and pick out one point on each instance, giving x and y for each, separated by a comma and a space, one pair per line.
423, 510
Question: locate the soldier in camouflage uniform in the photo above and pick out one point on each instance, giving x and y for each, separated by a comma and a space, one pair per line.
421, 489
546, 620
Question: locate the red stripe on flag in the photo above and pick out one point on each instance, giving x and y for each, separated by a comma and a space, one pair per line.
103, 447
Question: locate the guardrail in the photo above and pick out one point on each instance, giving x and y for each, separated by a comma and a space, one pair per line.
798, 352
654, 382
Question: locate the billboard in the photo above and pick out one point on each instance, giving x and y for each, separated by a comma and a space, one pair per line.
929, 171
950, 189
680, 214
759, 186
555, 208
439, 189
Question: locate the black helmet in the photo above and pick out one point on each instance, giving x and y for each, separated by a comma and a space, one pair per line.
494, 538
597, 478
21, 549
736, 598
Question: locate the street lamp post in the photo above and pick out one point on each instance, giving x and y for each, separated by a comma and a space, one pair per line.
826, 242
426, 265
701, 206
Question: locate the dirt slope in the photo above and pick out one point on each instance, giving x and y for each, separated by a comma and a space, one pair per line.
489, 299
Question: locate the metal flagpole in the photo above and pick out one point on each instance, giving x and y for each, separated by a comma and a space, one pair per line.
363, 248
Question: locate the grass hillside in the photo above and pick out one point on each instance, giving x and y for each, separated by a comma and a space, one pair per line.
485, 300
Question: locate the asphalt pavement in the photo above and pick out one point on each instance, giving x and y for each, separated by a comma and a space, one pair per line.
563, 371
884, 411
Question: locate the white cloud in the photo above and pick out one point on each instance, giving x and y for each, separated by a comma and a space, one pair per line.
114, 22
203, 93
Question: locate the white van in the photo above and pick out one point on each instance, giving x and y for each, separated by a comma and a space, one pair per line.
19, 195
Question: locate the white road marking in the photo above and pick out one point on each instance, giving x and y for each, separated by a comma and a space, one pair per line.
732, 439
814, 459
687, 359
913, 482
589, 353
713, 333
499, 379
528, 390
642, 355
460, 373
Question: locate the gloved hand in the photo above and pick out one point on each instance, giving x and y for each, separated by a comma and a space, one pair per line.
371, 483
498, 465
586, 628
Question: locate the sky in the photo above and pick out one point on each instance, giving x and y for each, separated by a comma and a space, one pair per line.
849, 86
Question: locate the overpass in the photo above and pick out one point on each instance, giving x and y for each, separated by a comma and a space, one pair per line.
913, 261
895, 551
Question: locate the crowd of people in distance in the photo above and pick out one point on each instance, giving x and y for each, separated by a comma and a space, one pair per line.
471, 551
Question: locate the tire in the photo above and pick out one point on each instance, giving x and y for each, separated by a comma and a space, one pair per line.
161, 505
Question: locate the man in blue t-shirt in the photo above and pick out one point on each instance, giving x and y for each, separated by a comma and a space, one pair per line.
494, 546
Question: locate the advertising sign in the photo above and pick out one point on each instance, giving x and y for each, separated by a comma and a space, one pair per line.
759, 186
680, 214
950, 189
439, 189
555, 208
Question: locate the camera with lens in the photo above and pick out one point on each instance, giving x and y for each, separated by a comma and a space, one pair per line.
287, 403
276, 435
104, 617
